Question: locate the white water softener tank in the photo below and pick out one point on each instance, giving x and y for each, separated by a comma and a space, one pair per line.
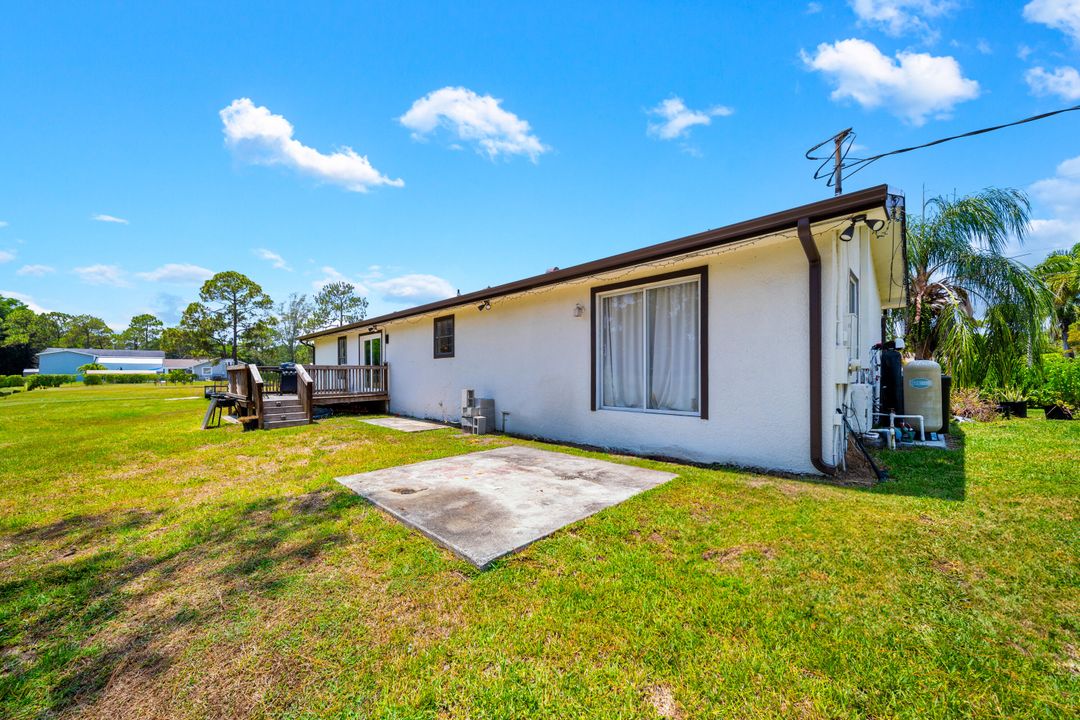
922, 392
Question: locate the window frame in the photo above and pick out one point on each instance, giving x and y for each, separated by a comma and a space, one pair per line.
701, 275
854, 297
435, 337
343, 350
362, 348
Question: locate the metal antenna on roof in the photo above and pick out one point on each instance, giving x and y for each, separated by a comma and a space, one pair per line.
836, 166
842, 142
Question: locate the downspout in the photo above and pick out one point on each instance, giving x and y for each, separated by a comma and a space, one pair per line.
813, 259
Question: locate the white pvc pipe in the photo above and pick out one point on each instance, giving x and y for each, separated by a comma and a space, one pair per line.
892, 417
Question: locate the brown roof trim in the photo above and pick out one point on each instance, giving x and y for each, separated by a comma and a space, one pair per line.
787, 219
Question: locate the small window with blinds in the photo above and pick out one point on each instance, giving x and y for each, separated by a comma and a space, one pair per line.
444, 337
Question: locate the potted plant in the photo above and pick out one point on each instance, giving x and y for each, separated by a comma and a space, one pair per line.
1059, 392
1013, 402
1060, 411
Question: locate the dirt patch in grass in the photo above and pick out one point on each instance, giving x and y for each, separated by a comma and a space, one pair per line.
662, 700
957, 572
787, 488
314, 501
1070, 660
731, 555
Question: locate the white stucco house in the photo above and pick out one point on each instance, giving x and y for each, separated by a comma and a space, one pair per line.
737, 345
201, 368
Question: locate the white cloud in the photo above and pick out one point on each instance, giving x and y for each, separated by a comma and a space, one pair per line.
913, 86
897, 17
413, 288
416, 288
1062, 81
1063, 15
178, 273
813, 8
260, 137
1062, 192
6, 256
35, 270
984, 47
476, 119
4, 223
109, 219
1053, 234
273, 258
24, 299
677, 119
1060, 196
331, 275
102, 275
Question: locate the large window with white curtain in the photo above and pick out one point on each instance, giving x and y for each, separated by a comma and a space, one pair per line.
649, 340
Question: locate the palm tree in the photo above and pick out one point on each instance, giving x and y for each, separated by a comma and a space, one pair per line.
1061, 273
973, 308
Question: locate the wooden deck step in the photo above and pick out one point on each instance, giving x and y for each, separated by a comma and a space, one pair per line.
297, 414
274, 424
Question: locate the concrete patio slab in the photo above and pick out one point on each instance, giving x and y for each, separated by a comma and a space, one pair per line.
404, 424
485, 505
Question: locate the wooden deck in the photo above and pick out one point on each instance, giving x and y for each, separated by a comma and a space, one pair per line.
266, 402
336, 384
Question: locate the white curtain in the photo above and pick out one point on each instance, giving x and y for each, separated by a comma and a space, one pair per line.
673, 347
622, 334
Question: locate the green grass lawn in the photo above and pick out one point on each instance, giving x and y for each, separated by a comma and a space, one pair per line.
150, 569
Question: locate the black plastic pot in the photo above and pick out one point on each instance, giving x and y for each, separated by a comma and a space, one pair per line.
1057, 412
1015, 409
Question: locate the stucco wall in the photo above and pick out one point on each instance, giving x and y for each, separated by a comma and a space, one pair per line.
532, 356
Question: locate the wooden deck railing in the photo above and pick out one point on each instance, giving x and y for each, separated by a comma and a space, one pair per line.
247, 386
239, 381
258, 389
271, 376
349, 379
305, 389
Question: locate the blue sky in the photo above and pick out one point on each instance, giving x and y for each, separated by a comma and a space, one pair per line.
416, 149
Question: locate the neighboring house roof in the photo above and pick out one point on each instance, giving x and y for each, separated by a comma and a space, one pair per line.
130, 360
862, 200
143, 371
101, 352
186, 363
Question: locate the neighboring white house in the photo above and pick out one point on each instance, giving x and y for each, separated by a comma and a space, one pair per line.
736, 345
201, 368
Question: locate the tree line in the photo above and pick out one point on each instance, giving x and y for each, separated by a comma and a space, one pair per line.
233, 318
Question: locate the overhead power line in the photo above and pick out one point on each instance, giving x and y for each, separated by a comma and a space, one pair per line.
837, 166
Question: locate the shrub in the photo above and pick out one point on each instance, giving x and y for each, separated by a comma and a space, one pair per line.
1057, 382
91, 379
131, 379
48, 381
968, 403
179, 376
9, 381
